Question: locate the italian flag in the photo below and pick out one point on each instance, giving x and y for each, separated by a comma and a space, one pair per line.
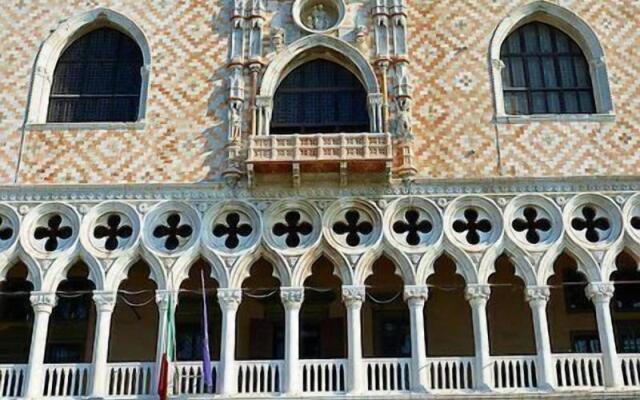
167, 356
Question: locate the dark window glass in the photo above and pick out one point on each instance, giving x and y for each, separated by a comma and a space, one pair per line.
320, 97
545, 73
97, 79
628, 336
585, 342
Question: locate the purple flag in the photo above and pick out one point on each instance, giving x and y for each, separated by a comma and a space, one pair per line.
206, 358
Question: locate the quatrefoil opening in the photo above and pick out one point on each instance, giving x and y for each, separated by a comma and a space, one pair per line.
595, 228
53, 233
233, 230
532, 224
413, 227
6, 230
115, 231
473, 225
173, 232
293, 229
354, 229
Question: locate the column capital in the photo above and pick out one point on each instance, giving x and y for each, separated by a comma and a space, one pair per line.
105, 300
413, 293
600, 292
353, 295
229, 299
43, 302
537, 294
476, 293
292, 297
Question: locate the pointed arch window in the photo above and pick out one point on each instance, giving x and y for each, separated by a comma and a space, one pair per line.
545, 72
97, 79
320, 96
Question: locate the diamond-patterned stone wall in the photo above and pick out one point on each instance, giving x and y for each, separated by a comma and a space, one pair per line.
185, 130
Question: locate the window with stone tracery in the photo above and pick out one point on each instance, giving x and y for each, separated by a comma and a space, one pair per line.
545, 72
320, 96
97, 79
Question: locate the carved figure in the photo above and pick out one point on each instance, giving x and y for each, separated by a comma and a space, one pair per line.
235, 120
277, 39
403, 123
319, 18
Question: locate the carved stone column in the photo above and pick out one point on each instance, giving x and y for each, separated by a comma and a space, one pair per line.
292, 298
375, 112
353, 297
42, 304
416, 297
105, 303
537, 297
600, 293
477, 296
229, 300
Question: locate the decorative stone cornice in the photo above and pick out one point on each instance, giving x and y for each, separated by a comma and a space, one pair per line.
105, 301
477, 294
43, 302
353, 296
229, 299
416, 293
537, 294
292, 297
600, 292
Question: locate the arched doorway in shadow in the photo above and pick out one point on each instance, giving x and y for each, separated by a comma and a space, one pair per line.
508, 314
16, 316
323, 331
449, 327
72, 322
260, 320
571, 315
625, 305
189, 323
135, 311
385, 315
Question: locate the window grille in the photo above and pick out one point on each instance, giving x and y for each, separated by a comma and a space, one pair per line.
545, 73
320, 97
97, 79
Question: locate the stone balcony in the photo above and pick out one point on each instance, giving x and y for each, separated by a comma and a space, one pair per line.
341, 153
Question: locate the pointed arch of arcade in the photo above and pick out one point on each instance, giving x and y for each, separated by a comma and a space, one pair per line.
16, 314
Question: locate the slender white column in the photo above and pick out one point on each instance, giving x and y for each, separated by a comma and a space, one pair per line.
105, 303
229, 300
477, 296
292, 298
537, 297
43, 304
600, 293
416, 296
162, 299
353, 297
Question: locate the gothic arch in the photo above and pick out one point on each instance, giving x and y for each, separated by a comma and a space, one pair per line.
627, 245
120, 269
302, 269
523, 267
284, 62
464, 264
65, 34
404, 268
57, 272
242, 267
180, 270
568, 22
34, 275
586, 263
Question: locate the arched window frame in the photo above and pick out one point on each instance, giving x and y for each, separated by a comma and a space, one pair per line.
53, 47
305, 50
579, 31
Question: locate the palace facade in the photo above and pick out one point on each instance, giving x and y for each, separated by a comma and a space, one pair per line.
375, 198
